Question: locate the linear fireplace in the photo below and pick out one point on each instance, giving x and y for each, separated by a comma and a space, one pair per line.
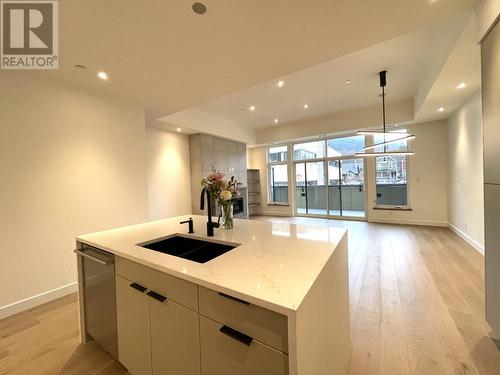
238, 207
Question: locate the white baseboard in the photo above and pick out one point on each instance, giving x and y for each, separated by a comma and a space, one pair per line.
274, 213
471, 241
408, 222
29, 303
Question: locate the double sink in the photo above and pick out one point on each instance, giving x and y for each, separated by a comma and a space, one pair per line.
189, 248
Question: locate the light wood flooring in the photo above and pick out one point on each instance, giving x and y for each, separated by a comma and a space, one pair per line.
417, 307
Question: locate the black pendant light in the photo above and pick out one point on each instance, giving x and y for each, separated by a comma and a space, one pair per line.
389, 137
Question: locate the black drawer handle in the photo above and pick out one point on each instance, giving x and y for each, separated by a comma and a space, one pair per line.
157, 296
234, 298
241, 337
138, 287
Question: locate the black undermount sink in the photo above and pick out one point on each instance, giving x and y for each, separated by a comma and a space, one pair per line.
189, 248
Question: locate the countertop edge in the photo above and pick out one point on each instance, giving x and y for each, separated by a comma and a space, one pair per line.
284, 310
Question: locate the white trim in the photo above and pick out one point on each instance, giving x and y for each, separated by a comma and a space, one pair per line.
276, 213
39, 299
409, 222
476, 245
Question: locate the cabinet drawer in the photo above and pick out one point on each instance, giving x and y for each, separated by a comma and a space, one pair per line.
224, 355
178, 290
264, 325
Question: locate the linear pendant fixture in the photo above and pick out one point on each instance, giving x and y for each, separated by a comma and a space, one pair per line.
403, 138
393, 136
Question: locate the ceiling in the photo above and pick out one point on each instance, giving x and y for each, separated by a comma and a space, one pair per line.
168, 58
201, 69
324, 89
462, 65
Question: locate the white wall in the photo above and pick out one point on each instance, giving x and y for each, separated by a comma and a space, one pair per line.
344, 121
428, 180
169, 189
465, 172
72, 161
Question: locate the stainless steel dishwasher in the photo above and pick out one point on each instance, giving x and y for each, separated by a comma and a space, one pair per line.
99, 297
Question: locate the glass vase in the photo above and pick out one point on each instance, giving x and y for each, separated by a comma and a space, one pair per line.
227, 215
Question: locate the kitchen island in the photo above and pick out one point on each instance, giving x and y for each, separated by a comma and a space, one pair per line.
277, 303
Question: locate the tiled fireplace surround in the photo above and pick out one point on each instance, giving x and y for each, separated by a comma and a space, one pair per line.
225, 155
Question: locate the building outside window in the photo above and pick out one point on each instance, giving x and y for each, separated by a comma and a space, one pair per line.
277, 160
309, 150
392, 175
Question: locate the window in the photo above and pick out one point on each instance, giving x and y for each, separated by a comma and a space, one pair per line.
277, 159
309, 150
345, 146
277, 154
395, 146
392, 174
278, 183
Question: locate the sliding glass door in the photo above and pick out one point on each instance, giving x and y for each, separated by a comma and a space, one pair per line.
311, 189
342, 196
329, 180
352, 188
334, 188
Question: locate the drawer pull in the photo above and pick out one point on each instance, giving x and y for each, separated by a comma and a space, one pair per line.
157, 296
138, 287
241, 337
234, 298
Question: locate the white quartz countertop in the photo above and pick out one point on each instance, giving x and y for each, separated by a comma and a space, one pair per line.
274, 267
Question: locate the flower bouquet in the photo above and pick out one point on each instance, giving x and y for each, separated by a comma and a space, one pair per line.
223, 190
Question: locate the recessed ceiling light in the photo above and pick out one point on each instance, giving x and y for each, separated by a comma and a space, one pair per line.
252, 108
276, 120
199, 8
103, 76
80, 67
179, 130
441, 109
306, 106
280, 83
348, 81
461, 85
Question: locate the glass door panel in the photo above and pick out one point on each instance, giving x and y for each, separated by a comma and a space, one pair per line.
300, 188
334, 191
311, 194
352, 187
316, 188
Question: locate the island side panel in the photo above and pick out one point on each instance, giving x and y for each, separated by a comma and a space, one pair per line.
322, 327
81, 295
292, 344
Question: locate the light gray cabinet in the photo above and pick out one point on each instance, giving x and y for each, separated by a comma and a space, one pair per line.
264, 325
158, 335
134, 344
175, 343
492, 254
155, 335
490, 63
222, 354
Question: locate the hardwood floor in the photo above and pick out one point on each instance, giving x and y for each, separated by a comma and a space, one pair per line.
417, 307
